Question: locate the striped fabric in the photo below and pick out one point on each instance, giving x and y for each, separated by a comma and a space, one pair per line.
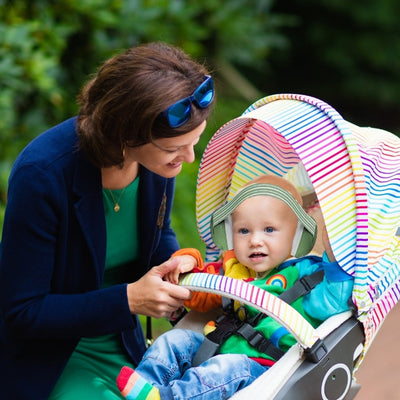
378, 288
355, 173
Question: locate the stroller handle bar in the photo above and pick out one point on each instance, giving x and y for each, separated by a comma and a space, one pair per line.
263, 301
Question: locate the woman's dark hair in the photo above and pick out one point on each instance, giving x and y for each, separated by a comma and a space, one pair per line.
122, 103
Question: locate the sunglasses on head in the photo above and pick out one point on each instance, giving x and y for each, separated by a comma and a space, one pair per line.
178, 113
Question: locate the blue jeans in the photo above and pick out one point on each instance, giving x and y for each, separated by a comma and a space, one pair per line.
167, 364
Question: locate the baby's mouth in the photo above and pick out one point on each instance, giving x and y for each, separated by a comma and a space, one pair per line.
258, 255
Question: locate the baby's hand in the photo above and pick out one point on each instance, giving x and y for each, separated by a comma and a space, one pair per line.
186, 264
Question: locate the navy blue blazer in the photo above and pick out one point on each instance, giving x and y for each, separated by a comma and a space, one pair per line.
52, 258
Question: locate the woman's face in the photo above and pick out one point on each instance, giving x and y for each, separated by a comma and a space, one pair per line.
165, 156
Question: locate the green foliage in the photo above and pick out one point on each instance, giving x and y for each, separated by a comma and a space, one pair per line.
48, 49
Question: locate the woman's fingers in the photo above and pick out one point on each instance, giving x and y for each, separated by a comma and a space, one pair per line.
153, 296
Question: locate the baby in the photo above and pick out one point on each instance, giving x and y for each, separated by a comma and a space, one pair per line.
266, 236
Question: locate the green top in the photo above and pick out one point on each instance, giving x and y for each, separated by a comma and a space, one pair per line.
122, 243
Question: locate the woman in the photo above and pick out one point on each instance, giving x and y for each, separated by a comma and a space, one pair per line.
88, 218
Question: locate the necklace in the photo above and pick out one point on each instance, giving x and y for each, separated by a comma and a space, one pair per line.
116, 205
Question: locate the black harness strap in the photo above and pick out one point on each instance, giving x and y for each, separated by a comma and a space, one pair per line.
302, 287
228, 325
257, 340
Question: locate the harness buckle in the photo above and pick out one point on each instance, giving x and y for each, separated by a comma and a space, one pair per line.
253, 337
258, 341
305, 282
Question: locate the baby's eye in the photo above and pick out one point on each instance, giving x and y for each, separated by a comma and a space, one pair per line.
243, 231
269, 229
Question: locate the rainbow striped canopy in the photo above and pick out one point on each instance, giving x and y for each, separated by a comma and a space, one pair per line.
354, 172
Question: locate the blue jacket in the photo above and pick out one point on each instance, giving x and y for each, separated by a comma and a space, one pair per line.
52, 260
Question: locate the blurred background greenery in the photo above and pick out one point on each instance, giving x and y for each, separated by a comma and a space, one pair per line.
345, 53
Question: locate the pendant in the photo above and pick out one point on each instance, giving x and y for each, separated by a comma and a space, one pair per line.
116, 207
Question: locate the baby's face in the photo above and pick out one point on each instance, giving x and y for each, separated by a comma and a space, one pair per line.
263, 229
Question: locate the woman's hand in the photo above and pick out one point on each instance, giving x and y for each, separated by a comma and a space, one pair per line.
186, 264
154, 297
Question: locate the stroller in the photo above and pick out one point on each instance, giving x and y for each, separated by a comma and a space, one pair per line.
352, 175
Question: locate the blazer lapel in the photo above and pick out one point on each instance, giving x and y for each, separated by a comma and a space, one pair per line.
152, 201
89, 210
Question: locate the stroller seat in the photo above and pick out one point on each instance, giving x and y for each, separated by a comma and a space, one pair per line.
328, 361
